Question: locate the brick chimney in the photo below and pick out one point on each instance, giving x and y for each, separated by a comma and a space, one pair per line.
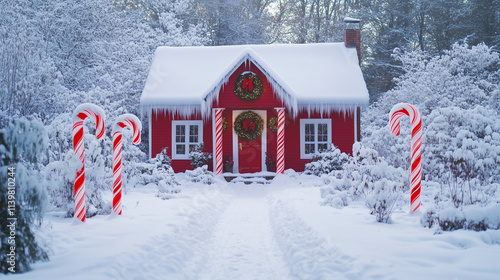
352, 38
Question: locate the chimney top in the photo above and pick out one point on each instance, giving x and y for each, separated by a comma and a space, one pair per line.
351, 20
351, 23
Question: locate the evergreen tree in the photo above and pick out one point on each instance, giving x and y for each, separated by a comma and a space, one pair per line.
21, 196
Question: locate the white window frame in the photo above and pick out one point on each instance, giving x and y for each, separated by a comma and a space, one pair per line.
303, 123
186, 142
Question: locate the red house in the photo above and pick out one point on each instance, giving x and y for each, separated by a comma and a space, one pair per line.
249, 102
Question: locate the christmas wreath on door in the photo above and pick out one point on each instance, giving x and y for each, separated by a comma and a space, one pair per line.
248, 125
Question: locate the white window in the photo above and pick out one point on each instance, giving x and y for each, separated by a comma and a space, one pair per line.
185, 136
315, 136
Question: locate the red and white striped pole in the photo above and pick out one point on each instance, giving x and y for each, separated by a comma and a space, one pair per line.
280, 150
121, 122
82, 112
218, 141
397, 112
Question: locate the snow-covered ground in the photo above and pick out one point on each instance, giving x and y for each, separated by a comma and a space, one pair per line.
274, 231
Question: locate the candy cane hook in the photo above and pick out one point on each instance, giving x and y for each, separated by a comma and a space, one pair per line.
82, 112
136, 126
398, 111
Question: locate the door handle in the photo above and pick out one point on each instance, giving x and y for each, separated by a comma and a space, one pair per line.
241, 147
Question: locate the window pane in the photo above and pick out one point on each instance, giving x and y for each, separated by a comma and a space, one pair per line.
180, 133
322, 132
309, 149
322, 147
193, 134
180, 149
191, 147
309, 133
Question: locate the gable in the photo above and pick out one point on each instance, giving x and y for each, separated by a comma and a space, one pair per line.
230, 100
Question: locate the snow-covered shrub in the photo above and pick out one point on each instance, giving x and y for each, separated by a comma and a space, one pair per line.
198, 157
335, 194
132, 158
58, 178
382, 199
373, 179
326, 161
21, 194
157, 171
98, 177
462, 153
201, 174
472, 217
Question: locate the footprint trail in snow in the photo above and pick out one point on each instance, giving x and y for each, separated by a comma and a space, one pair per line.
243, 245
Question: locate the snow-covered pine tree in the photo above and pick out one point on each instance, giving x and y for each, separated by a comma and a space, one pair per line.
21, 195
199, 157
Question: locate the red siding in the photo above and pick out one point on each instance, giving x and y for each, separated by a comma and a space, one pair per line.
342, 136
161, 137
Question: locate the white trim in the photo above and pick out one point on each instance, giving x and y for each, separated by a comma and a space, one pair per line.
263, 115
356, 125
199, 123
303, 122
150, 132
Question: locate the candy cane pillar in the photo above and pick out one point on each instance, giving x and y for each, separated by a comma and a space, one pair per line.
136, 126
280, 150
397, 112
218, 141
82, 112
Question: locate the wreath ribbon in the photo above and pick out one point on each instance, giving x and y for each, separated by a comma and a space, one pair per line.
248, 124
247, 84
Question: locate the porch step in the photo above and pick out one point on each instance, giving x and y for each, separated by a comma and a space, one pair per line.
250, 178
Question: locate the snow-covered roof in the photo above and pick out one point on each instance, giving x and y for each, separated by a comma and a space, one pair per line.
312, 76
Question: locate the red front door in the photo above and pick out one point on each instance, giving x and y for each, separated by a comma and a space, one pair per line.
249, 155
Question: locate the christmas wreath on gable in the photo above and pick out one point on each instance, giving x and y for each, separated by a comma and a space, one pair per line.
248, 86
248, 125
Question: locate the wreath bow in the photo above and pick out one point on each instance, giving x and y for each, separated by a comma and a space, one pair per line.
247, 84
248, 124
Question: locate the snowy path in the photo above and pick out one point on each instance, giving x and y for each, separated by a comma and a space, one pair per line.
244, 245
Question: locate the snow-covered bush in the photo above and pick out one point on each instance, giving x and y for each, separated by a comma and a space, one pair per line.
157, 171
201, 174
382, 199
21, 194
462, 153
337, 192
326, 161
472, 217
58, 179
198, 157
98, 177
366, 176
